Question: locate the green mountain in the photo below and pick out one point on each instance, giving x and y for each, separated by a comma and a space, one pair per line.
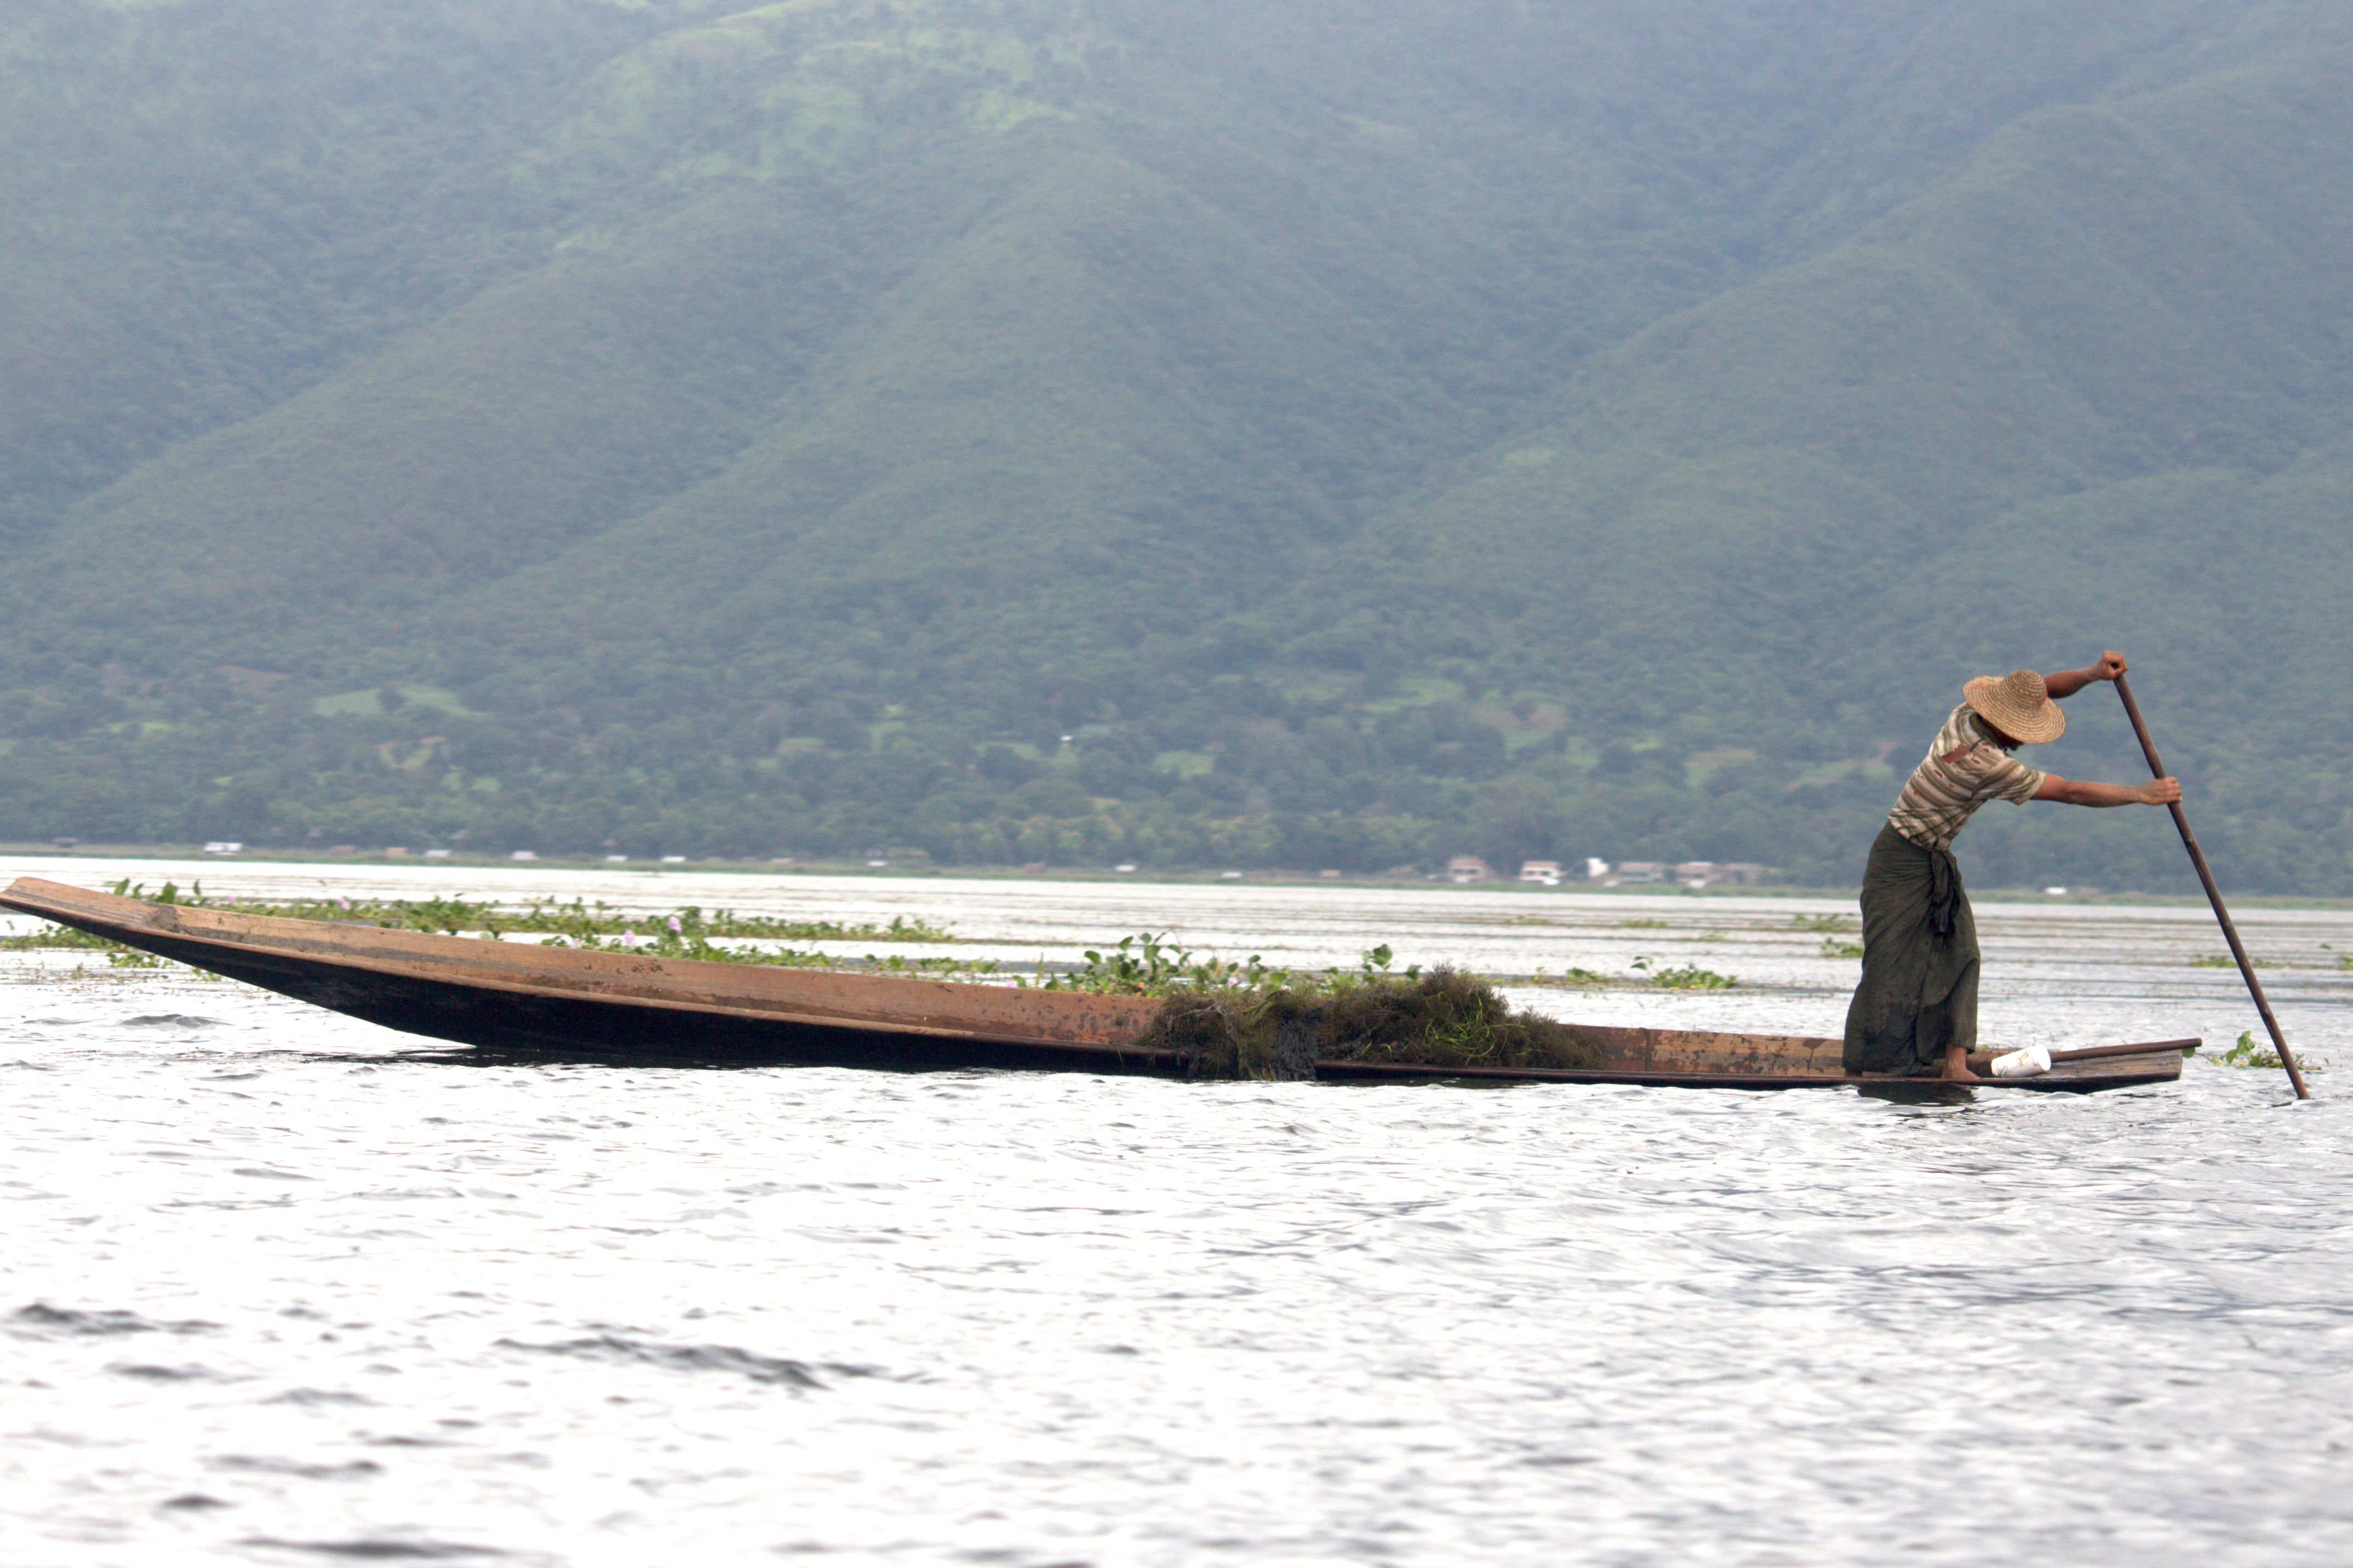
1051, 431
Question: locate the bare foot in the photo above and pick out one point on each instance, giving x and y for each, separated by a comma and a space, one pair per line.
1960, 1075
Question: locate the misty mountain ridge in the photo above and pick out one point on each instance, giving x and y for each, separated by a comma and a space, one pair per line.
1366, 436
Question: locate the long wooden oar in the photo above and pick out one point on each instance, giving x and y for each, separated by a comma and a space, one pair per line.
2214, 896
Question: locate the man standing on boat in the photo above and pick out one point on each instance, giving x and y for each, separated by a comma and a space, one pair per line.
1916, 1013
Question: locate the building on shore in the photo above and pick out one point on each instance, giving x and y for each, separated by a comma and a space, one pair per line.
1688, 874
1468, 868
1719, 873
1546, 873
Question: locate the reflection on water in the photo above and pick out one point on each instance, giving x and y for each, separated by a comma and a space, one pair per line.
286, 1288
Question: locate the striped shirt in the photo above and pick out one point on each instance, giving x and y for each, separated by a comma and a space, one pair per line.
1962, 770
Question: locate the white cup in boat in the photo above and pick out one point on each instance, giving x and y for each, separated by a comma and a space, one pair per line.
2031, 1062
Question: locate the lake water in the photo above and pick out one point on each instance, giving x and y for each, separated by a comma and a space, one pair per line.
284, 1287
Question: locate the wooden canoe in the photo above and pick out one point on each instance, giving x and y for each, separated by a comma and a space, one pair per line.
612, 1005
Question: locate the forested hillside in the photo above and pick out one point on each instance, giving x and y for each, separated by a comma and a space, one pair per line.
1307, 436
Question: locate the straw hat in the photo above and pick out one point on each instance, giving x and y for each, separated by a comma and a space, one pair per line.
2017, 705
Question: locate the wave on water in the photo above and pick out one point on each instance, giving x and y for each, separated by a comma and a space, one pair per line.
620, 1350
352, 1469
1142, 1323
42, 1321
317, 1396
150, 1373
170, 1021
377, 1549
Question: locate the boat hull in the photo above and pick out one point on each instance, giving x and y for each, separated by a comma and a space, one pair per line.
523, 997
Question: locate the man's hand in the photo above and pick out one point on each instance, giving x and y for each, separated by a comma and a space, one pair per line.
2161, 792
2063, 684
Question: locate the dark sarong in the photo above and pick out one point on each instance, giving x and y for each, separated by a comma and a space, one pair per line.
1919, 990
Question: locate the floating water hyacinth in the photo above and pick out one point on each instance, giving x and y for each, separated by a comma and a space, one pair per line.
457, 916
1443, 1019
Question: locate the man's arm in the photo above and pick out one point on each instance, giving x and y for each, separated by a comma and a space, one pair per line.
2084, 792
2066, 683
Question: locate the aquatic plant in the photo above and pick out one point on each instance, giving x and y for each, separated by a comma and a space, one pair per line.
678, 937
48, 936
1443, 1019
578, 919
1142, 964
2247, 1054
666, 943
1145, 965
2224, 961
1692, 977
946, 967
1688, 978
1583, 978
1834, 948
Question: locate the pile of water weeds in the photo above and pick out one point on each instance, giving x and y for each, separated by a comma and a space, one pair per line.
1444, 1019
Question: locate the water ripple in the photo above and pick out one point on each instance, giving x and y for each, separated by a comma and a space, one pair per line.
617, 1349
408, 1299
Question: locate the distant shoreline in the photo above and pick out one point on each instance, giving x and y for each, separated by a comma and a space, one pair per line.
821, 866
